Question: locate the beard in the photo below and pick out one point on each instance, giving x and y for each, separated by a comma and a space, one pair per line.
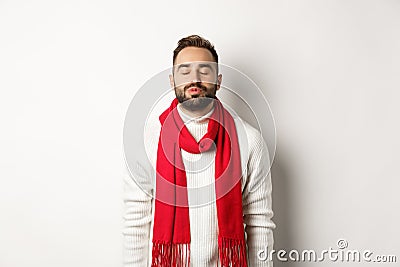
196, 102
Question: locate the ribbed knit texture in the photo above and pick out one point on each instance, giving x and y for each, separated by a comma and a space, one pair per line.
200, 168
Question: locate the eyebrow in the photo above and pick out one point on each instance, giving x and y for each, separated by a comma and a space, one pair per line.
183, 66
207, 65
201, 65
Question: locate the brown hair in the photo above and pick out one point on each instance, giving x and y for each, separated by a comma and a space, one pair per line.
197, 41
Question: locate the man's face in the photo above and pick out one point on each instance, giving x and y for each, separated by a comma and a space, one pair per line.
195, 78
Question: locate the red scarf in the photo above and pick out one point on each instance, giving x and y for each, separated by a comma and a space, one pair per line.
171, 232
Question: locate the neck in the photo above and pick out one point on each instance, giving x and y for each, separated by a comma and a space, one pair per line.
197, 113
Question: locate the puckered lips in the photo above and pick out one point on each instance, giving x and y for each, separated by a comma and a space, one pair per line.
194, 91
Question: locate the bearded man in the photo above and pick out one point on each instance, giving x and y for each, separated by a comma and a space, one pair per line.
211, 204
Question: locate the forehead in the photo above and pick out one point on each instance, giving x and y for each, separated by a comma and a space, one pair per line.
192, 54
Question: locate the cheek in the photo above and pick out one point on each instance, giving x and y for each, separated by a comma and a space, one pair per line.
179, 90
210, 86
181, 81
209, 79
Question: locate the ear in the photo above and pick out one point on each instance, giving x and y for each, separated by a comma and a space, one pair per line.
171, 81
219, 80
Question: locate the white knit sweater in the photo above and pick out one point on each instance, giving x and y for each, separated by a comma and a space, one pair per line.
256, 195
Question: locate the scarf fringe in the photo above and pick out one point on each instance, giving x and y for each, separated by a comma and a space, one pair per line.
232, 252
170, 255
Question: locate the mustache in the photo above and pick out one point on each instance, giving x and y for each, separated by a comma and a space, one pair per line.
198, 85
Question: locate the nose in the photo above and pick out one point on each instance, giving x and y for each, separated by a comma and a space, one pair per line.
195, 76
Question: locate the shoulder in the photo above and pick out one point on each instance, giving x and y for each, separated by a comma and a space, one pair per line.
250, 138
253, 152
151, 131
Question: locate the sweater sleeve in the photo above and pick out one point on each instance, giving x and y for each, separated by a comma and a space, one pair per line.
137, 222
257, 203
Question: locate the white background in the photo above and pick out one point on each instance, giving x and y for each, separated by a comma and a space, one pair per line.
69, 69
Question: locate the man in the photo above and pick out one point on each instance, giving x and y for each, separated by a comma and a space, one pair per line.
218, 210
